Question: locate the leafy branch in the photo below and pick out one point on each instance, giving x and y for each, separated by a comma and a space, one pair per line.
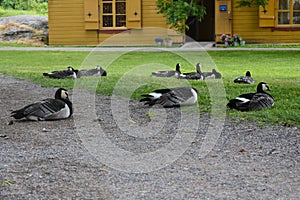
252, 3
177, 12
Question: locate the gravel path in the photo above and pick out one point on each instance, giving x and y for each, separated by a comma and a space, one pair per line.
50, 160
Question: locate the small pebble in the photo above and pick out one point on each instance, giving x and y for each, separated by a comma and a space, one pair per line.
44, 130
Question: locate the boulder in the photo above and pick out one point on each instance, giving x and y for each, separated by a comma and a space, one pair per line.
25, 28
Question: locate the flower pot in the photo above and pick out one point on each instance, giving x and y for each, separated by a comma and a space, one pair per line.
242, 42
235, 43
158, 44
226, 44
168, 43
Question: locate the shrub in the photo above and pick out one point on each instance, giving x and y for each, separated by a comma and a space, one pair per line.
40, 6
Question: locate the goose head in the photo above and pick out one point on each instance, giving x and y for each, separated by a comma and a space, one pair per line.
248, 73
61, 93
75, 71
262, 86
70, 68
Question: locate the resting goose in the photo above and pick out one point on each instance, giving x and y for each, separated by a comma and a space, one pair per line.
98, 71
212, 75
68, 73
245, 79
172, 73
253, 101
193, 75
47, 109
172, 97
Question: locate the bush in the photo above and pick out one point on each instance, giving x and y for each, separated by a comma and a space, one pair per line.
40, 6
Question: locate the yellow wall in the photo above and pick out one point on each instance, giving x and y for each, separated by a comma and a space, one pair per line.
246, 23
67, 26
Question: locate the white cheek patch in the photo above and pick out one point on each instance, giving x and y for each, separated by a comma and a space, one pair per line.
242, 99
64, 94
265, 87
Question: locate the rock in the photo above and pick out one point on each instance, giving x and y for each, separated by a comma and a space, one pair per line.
24, 28
36, 22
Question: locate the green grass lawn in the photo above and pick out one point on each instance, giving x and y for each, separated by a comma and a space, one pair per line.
129, 75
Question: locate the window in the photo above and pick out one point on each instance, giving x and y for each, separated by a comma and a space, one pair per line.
113, 14
288, 12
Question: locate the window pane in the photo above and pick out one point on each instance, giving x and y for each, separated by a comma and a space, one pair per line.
284, 4
296, 5
107, 8
107, 21
120, 8
121, 20
283, 18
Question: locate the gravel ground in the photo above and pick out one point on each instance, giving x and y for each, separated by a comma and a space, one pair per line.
53, 160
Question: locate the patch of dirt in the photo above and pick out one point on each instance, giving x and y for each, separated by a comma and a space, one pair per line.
49, 160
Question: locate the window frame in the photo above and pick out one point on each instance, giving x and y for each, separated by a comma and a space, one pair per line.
290, 11
114, 15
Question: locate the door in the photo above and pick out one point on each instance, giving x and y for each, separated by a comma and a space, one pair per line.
223, 18
204, 30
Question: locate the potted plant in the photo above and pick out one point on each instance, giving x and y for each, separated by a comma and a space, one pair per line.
159, 41
168, 41
238, 40
227, 40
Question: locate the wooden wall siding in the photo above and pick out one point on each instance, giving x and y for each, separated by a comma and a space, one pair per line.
153, 26
246, 23
66, 24
135, 37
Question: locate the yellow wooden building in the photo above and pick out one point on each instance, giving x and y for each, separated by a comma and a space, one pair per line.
136, 22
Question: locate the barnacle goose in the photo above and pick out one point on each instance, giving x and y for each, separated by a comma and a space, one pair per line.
47, 109
172, 73
68, 73
253, 101
193, 75
247, 79
212, 75
98, 71
172, 97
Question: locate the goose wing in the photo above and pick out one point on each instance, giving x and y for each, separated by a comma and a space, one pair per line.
178, 96
43, 110
171, 97
261, 101
244, 79
164, 73
99, 71
60, 74
191, 76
